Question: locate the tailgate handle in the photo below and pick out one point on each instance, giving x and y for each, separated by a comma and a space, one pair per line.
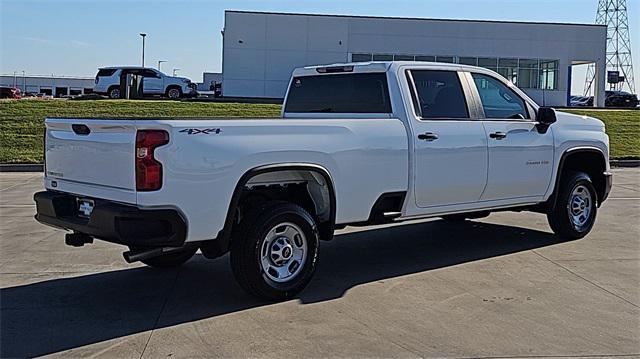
80, 129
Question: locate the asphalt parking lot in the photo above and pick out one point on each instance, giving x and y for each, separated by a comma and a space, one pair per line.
502, 286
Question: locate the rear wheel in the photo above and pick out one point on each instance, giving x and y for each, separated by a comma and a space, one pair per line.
575, 209
171, 260
114, 93
275, 252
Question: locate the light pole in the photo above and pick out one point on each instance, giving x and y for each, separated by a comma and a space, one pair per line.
160, 62
143, 36
174, 71
24, 82
15, 79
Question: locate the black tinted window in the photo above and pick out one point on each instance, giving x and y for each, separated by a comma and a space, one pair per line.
106, 72
150, 73
439, 94
498, 100
343, 93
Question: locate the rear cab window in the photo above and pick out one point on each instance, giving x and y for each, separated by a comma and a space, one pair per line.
106, 72
339, 93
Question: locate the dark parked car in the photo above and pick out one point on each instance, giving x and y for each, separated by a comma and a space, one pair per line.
581, 101
10, 92
620, 99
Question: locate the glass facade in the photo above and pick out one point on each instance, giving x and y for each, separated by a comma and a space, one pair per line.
525, 73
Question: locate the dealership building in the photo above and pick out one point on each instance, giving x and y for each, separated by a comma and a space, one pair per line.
261, 49
56, 86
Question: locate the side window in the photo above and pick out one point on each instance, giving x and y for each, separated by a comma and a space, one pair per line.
150, 73
498, 100
439, 95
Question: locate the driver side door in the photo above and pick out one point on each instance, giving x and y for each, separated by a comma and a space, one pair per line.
520, 157
152, 82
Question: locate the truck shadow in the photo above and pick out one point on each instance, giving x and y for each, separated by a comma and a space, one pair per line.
55, 315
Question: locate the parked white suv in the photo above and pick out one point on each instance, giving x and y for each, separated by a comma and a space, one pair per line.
154, 83
358, 144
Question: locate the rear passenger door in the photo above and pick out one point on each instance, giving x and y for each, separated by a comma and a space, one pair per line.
520, 157
450, 146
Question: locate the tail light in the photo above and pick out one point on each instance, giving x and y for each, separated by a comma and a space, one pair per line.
148, 169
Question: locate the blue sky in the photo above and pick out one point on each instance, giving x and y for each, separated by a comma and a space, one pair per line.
75, 37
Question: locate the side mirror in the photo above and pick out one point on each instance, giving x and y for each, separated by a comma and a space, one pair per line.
546, 117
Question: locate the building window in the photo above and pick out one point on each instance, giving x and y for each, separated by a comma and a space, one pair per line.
403, 57
382, 57
549, 74
508, 68
446, 59
425, 58
490, 63
473, 61
360, 57
528, 73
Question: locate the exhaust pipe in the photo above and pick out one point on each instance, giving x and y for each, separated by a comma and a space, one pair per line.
136, 256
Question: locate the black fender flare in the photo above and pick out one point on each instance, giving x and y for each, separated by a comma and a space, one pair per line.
220, 245
551, 202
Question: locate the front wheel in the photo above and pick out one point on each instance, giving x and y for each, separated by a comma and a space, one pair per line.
275, 253
174, 93
575, 209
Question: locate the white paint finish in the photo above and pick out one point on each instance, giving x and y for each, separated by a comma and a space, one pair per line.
364, 155
104, 157
521, 164
330, 34
152, 85
248, 64
320, 35
453, 168
286, 33
250, 35
201, 172
280, 64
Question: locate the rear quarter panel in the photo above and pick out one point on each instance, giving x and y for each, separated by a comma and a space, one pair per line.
364, 157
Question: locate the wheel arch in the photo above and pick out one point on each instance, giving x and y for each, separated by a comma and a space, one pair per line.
591, 160
222, 242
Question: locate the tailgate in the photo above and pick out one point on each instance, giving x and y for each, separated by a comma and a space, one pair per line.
92, 152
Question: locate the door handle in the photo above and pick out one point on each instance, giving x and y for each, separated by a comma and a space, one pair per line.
498, 135
428, 136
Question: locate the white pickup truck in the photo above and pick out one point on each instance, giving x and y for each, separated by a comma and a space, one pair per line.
357, 144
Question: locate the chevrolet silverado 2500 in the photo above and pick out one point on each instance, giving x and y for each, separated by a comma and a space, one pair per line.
357, 144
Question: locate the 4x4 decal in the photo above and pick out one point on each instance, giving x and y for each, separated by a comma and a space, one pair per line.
201, 131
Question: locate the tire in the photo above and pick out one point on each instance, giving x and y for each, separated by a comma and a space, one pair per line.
268, 244
171, 260
575, 209
114, 93
174, 93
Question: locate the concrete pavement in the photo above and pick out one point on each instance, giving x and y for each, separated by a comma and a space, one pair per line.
502, 286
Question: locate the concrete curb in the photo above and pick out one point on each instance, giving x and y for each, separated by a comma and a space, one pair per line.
22, 167
40, 167
624, 163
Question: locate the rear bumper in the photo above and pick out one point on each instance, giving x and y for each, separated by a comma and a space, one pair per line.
111, 221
